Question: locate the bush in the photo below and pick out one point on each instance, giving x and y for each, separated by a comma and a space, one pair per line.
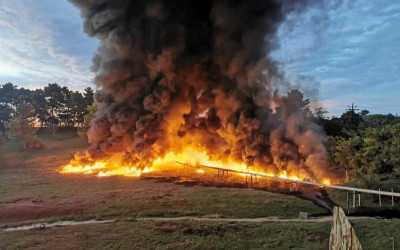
22, 126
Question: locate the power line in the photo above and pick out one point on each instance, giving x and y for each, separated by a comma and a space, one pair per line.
352, 108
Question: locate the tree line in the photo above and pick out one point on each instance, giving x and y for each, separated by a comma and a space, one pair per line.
54, 106
362, 144
359, 144
23, 111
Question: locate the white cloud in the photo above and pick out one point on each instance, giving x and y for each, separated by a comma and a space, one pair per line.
29, 51
355, 57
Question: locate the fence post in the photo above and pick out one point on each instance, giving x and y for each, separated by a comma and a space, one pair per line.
380, 201
392, 199
393, 243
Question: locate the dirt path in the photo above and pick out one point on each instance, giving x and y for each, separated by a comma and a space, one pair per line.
256, 220
184, 218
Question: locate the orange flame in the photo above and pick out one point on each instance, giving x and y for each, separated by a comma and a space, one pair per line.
104, 169
326, 181
189, 156
200, 171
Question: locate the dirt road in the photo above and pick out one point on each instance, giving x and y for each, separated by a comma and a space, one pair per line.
254, 220
183, 218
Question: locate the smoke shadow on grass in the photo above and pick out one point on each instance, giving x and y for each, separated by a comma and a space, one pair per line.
387, 213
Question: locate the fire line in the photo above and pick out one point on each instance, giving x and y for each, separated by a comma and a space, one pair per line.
360, 190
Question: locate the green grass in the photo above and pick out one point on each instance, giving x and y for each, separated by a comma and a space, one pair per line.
174, 235
369, 201
376, 233
53, 146
86, 196
32, 188
372, 233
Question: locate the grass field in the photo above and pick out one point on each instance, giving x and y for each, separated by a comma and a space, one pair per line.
176, 235
32, 190
373, 234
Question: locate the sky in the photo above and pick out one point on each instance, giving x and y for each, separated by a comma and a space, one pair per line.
42, 41
337, 52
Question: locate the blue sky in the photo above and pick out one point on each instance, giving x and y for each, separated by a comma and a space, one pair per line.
43, 42
344, 51
349, 51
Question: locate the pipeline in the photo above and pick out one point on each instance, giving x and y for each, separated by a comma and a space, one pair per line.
359, 190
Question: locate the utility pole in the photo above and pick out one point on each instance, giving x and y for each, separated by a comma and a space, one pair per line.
352, 108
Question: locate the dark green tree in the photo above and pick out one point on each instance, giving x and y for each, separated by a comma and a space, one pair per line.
351, 120
23, 96
65, 112
54, 102
381, 149
78, 108
364, 113
88, 96
5, 115
40, 104
380, 120
82, 131
8, 94
334, 127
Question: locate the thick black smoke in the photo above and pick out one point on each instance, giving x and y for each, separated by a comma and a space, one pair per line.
177, 73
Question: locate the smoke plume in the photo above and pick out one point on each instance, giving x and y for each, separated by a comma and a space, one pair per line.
176, 73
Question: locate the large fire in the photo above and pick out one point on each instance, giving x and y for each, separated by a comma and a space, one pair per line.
189, 86
200, 160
